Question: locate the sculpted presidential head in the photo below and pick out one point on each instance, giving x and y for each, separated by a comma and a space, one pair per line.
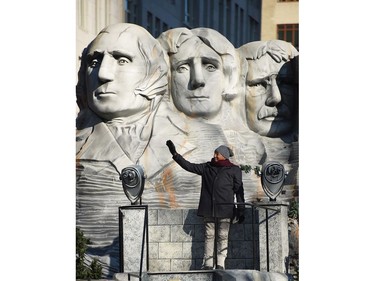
123, 73
202, 70
271, 87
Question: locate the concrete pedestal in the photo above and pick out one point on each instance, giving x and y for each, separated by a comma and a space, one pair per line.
277, 237
133, 238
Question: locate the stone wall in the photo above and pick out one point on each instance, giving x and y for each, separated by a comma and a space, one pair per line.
176, 240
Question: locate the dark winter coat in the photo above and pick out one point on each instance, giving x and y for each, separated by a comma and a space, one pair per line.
219, 185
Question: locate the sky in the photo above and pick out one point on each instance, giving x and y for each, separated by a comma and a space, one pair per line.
38, 139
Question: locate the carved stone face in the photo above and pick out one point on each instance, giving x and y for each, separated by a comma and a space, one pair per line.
270, 97
197, 79
115, 68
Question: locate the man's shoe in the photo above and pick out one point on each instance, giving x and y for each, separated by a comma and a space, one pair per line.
219, 267
207, 267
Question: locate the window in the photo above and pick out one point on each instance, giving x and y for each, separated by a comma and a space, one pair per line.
131, 11
188, 9
242, 23
253, 29
221, 16
157, 27
289, 33
287, 0
228, 10
236, 8
238, 25
127, 8
165, 27
150, 24
225, 17
255, 3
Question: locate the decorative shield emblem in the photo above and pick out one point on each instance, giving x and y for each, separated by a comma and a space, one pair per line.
273, 176
133, 182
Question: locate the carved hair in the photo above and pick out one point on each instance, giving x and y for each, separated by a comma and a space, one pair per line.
278, 50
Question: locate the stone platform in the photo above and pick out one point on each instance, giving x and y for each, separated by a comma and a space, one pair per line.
206, 275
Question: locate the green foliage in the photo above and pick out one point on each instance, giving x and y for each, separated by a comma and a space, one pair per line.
247, 169
81, 243
293, 212
257, 171
94, 271
296, 276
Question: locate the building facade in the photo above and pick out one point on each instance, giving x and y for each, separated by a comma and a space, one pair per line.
91, 17
280, 20
238, 20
